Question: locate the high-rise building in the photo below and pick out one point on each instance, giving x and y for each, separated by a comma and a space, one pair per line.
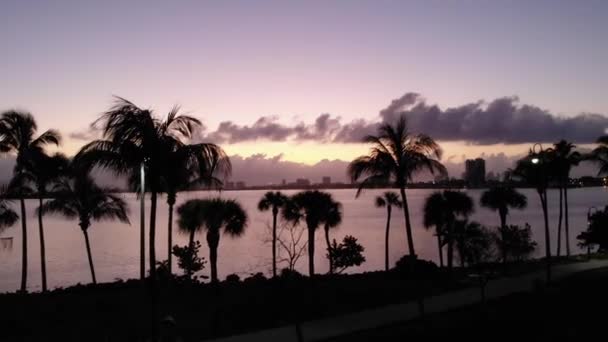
302, 182
475, 172
326, 180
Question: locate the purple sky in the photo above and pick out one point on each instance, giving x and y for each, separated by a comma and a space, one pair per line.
239, 61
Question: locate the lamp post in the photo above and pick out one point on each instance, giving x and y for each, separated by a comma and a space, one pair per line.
538, 159
142, 222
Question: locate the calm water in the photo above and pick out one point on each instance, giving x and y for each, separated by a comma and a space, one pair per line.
115, 246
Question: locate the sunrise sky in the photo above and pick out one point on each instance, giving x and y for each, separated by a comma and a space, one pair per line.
539, 66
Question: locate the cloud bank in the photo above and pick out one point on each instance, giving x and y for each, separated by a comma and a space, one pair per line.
502, 120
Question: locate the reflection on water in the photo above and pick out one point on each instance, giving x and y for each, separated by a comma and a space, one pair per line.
115, 246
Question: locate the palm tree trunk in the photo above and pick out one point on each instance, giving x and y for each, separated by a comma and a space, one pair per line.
388, 227
311, 252
503, 224
42, 247
88, 245
191, 239
450, 248
152, 241
567, 235
275, 212
142, 224
329, 250
408, 226
170, 239
213, 240
559, 223
543, 198
440, 248
24, 246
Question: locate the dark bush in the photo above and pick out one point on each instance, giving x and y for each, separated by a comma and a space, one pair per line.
233, 278
411, 266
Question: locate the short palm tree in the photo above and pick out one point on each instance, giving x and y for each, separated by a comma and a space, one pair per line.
442, 209
18, 136
274, 201
80, 198
133, 141
188, 166
214, 216
8, 216
396, 156
564, 158
312, 207
502, 198
388, 200
535, 170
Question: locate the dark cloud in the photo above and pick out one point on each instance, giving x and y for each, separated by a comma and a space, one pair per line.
503, 120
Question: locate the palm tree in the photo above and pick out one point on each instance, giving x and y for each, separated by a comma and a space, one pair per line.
472, 241
313, 207
188, 166
275, 201
133, 142
17, 135
501, 198
442, 209
396, 155
564, 158
214, 216
44, 172
389, 200
535, 170
80, 198
332, 219
8, 216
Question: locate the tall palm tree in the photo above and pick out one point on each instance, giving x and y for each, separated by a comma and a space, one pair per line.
502, 198
564, 157
8, 216
44, 172
396, 156
214, 216
388, 200
188, 166
535, 170
80, 198
312, 207
442, 209
275, 201
332, 219
133, 139
18, 136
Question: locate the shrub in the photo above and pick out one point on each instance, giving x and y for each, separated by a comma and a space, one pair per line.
188, 259
411, 266
233, 278
346, 254
518, 244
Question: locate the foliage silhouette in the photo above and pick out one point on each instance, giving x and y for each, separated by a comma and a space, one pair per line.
274, 201
347, 253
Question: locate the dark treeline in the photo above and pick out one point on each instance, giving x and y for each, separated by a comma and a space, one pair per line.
159, 156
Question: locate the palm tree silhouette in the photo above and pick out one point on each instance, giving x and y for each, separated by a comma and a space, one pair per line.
471, 241
535, 170
187, 166
564, 158
396, 155
501, 198
8, 216
389, 200
313, 207
442, 209
17, 135
214, 216
275, 201
80, 198
44, 172
133, 142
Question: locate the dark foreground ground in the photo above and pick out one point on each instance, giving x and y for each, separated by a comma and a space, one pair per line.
124, 311
572, 310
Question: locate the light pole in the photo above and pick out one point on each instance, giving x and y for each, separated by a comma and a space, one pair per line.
142, 222
538, 159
